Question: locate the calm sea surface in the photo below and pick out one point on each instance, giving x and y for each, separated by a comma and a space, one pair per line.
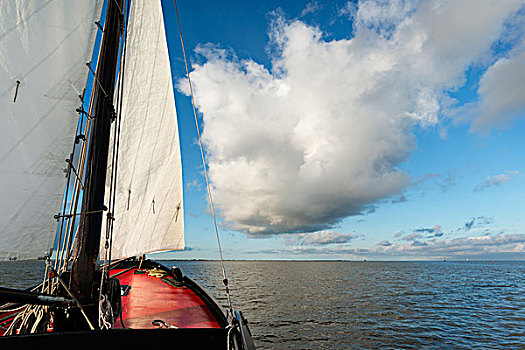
361, 305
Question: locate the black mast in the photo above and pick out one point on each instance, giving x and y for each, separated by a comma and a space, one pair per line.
86, 260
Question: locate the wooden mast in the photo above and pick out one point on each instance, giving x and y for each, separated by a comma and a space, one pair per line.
86, 260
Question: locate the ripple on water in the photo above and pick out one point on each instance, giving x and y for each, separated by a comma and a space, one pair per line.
358, 305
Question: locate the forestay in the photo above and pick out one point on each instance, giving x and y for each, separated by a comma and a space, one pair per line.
148, 208
44, 47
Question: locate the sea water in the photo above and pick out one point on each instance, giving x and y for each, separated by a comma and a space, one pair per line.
360, 305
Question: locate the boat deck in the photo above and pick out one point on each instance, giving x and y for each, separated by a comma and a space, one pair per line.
152, 294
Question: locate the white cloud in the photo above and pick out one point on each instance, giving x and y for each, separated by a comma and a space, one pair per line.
319, 137
384, 243
459, 246
502, 92
433, 231
495, 180
311, 7
479, 222
501, 246
319, 238
412, 237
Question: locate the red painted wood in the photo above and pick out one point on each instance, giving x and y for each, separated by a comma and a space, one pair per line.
149, 298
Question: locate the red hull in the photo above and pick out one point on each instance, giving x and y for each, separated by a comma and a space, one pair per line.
153, 295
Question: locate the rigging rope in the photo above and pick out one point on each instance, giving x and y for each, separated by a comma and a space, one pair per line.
64, 246
103, 309
34, 316
114, 161
225, 280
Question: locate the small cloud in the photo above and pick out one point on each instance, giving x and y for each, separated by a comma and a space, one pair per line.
477, 222
436, 228
495, 180
399, 199
435, 180
327, 250
412, 237
502, 92
433, 231
194, 184
311, 7
399, 234
319, 238
349, 10
265, 251
384, 243
468, 224
425, 178
426, 230
447, 183
419, 233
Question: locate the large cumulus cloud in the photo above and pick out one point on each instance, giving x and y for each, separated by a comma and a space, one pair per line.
321, 134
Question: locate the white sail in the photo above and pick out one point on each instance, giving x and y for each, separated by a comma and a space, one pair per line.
44, 47
148, 210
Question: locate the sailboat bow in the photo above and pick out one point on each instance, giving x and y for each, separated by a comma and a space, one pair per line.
123, 195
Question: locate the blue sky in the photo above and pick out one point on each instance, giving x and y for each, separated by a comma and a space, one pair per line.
382, 130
